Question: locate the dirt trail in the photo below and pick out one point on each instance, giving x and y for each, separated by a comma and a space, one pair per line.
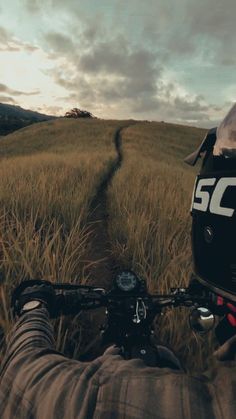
102, 272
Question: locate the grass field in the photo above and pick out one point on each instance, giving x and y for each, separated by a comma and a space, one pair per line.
49, 174
150, 222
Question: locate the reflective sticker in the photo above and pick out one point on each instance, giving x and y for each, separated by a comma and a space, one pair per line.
204, 196
212, 199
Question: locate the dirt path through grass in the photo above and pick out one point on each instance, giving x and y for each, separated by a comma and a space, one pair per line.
103, 265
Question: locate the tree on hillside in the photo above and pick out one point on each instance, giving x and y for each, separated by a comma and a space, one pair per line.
78, 113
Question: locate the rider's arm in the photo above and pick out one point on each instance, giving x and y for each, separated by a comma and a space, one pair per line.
35, 378
38, 382
32, 331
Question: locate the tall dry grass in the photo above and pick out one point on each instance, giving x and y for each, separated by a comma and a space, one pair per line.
49, 175
150, 223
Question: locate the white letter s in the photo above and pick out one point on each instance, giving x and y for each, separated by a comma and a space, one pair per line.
203, 195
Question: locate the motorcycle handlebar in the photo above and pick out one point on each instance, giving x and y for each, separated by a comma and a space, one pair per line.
71, 299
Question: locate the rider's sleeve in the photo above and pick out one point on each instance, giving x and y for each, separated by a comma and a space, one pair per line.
36, 381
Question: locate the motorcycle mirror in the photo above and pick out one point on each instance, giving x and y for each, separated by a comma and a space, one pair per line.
201, 320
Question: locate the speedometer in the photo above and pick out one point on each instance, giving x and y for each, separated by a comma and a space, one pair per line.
126, 281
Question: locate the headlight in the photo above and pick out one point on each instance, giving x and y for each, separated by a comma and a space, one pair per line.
127, 281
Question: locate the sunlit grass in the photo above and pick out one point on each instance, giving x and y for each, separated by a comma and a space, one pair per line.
49, 175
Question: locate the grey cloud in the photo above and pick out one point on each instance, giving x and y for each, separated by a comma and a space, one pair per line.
218, 25
18, 46
4, 35
9, 43
145, 104
92, 32
89, 30
49, 110
36, 6
170, 112
7, 99
69, 84
36, 92
129, 80
4, 88
33, 6
198, 117
29, 48
59, 43
190, 105
127, 73
112, 73
8, 90
213, 17
181, 43
192, 29
187, 29
116, 58
107, 69
185, 108
10, 48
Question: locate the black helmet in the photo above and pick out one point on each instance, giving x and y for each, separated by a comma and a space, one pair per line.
213, 209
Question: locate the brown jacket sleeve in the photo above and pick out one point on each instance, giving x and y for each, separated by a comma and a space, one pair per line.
37, 382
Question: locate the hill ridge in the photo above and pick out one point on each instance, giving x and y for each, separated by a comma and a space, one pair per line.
14, 117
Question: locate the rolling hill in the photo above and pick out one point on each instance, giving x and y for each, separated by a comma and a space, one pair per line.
13, 118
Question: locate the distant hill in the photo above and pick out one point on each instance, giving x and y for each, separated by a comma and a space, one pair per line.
14, 117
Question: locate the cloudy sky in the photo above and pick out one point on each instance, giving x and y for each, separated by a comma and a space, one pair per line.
154, 59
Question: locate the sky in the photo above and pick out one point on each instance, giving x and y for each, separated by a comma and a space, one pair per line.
147, 60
